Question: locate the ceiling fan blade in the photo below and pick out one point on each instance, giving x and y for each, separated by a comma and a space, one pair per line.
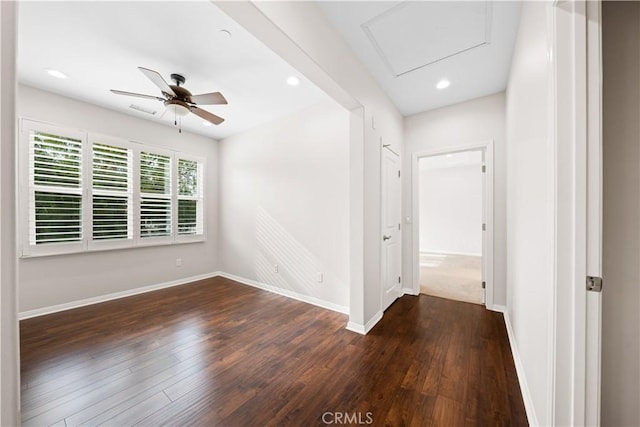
210, 117
139, 95
213, 98
157, 79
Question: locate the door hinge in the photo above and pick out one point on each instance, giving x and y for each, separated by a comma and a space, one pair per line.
594, 284
484, 227
398, 279
484, 169
398, 174
484, 285
398, 226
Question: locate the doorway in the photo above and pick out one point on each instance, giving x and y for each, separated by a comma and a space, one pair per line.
450, 195
390, 220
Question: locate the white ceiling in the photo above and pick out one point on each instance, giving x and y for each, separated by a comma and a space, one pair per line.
409, 46
99, 45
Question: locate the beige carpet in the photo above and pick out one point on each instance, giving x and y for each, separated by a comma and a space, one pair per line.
457, 277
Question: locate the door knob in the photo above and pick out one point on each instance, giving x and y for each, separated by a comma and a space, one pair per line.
385, 237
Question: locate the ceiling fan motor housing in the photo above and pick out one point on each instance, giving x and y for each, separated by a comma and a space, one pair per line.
178, 79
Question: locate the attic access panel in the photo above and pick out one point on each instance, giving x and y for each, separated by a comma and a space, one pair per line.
415, 34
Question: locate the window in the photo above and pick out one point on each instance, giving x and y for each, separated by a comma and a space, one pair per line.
55, 185
112, 193
155, 195
88, 192
190, 198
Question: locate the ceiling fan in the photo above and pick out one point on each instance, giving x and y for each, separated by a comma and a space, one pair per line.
179, 100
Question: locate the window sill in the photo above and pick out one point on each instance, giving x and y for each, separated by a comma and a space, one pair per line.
60, 250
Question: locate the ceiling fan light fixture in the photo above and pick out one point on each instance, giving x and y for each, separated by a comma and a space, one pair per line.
177, 108
206, 123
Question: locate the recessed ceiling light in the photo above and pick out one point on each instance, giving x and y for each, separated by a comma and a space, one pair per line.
56, 73
207, 124
293, 81
443, 84
225, 33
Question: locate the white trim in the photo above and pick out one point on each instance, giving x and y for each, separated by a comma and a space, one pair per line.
594, 213
409, 291
185, 281
364, 329
116, 295
522, 379
356, 215
497, 307
287, 293
488, 217
451, 253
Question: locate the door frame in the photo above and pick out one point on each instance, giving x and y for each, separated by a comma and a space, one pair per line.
487, 208
576, 127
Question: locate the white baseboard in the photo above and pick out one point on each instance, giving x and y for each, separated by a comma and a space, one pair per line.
116, 295
522, 379
497, 307
287, 293
409, 291
364, 329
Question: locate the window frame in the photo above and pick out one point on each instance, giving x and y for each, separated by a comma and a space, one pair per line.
154, 240
28, 189
104, 244
87, 242
202, 169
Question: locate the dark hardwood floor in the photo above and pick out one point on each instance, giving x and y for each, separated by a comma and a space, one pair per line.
220, 353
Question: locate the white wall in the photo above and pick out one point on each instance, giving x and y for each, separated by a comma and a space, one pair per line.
530, 207
9, 346
284, 200
53, 280
474, 121
301, 34
451, 205
621, 221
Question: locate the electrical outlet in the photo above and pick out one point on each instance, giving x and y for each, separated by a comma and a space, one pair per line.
319, 277
178, 262
275, 268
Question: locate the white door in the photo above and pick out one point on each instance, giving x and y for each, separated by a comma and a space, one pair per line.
578, 101
593, 309
390, 235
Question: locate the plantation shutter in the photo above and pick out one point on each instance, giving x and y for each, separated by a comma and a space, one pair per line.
111, 192
155, 195
190, 197
55, 188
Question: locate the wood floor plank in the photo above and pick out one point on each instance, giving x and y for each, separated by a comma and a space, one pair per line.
220, 353
138, 412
